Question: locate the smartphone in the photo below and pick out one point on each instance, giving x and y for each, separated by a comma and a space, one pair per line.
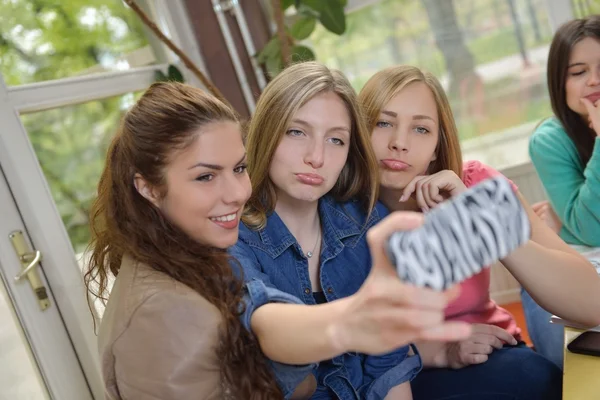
461, 236
587, 343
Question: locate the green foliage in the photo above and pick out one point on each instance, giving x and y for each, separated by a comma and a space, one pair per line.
285, 4
330, 15
274, 65
173, 74
303, 27
302, 53
48, 39
270, 56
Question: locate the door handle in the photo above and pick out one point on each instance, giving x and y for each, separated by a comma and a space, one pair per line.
29, 260
37, 256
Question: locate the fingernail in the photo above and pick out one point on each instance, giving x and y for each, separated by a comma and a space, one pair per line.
401, 198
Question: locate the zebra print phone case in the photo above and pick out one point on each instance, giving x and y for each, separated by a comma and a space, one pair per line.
461, 236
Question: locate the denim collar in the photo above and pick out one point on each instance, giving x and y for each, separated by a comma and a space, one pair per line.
338, 225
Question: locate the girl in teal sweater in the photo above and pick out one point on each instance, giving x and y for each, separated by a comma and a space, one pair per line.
565, 151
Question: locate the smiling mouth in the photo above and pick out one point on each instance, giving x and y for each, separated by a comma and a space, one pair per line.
224, 218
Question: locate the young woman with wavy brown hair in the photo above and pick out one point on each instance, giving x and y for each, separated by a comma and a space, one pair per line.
169, 202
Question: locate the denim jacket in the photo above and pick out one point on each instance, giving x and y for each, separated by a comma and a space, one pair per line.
276, 270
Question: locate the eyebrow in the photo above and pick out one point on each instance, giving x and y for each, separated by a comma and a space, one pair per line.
417, 117
577, 64
215, 166
335, 128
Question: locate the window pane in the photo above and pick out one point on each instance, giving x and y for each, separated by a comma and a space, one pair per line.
42, 40
582, 8
19, 374
71, 144
490, 59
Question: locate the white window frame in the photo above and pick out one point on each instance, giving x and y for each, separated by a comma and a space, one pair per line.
29, 186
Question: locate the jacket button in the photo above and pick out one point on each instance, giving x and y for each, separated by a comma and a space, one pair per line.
307, 291
330, 290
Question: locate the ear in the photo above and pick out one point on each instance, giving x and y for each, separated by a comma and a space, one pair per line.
144, 188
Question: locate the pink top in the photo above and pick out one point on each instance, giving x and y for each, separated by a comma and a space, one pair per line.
474, 304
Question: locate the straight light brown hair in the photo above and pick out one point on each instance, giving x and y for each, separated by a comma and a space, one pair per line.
281, 99
387, 83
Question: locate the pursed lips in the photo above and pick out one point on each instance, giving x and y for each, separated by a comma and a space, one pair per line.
594, 97
395, 164
310, 178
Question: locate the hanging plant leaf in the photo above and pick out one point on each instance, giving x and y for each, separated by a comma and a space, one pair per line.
332, 17
331, 14
303, 28
285, 4
271, 48
274, 65
302, 53
307, 11
159, 76
175, 74
344, 3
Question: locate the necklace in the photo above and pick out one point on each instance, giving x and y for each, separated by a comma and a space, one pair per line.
310, 253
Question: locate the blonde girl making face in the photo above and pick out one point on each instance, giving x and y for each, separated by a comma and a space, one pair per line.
416, 144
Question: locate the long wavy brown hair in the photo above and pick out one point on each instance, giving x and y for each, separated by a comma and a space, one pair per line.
167, 118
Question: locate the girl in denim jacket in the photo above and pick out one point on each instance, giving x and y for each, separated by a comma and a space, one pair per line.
318, 309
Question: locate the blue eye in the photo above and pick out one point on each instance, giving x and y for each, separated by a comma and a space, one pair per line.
421, 130
294, 132
337, 141
383, 124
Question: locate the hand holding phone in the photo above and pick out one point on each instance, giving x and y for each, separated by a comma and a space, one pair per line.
461, 236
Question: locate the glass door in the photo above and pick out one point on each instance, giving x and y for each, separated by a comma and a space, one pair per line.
68, 70
37, 358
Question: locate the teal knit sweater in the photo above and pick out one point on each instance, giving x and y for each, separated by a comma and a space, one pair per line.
572, 188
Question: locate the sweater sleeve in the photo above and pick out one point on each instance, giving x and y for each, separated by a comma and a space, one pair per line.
573, 191
475, 171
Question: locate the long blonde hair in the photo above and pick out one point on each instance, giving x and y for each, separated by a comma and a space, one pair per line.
387, 83
276, 107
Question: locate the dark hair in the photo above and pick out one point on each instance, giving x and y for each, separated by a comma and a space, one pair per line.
563, 42
166, 119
